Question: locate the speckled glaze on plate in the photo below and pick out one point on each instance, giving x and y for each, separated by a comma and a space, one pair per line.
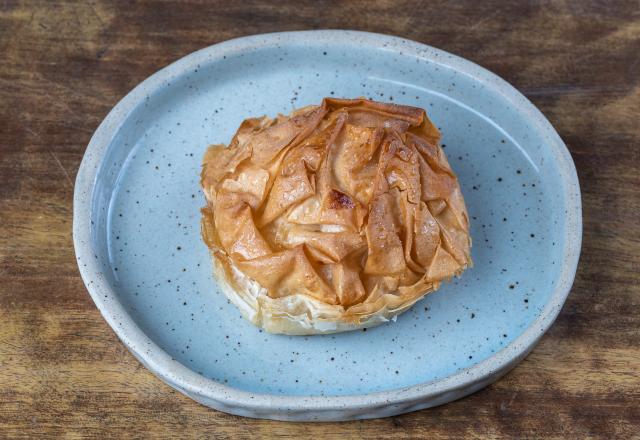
137, 234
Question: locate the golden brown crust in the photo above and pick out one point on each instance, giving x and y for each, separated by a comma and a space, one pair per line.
350, 205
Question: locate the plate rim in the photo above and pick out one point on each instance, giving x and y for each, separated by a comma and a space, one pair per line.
299, 407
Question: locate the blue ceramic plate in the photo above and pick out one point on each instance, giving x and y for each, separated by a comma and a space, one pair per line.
137, 229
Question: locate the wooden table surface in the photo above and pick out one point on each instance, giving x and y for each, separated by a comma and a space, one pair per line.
64, 64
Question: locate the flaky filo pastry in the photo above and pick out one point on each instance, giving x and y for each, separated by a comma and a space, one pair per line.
336, 217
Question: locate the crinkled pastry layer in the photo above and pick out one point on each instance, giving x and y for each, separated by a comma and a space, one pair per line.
336, 217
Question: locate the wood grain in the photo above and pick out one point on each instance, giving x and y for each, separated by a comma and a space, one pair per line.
64, 64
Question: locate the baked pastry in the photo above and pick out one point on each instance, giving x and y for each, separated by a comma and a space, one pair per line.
336, 217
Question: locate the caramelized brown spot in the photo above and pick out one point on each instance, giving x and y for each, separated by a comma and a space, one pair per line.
339, 200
